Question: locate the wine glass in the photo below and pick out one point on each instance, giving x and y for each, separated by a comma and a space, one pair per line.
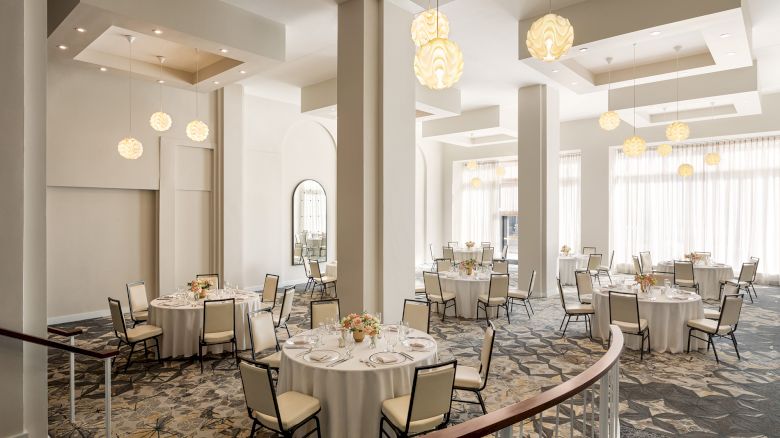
392, 340
349, 345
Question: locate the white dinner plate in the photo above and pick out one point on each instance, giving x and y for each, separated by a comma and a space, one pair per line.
321, 356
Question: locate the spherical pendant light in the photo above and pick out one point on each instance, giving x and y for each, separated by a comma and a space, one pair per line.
160, 121
549, 37
500, 171
130, 148
677, 131
609, 120
685, 170
664, 149
476, 182
712, 159
438, 64
429, 25
197, 130
471, 165
634, 146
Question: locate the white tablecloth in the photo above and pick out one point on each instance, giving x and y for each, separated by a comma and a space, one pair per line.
466, 253
331, 269
708, 277
351, 393
466, 290
666, 317
183, 324
568, 264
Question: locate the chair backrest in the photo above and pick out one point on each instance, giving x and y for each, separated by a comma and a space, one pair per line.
117, 318
486, 244
594, 261
213, 280
560, 293
417, 314
432, 284
306, 267
430, 248
314, 268
729, 313
584, 283
501, 266
531, 283
504, 251
453, 244
683, 270
219, 316
297, 250
754, 260
448, 253
136, 297
287, 303
259, 390
322, 310
611, 259
269, 288
646, 262
443, 265
262, 335
748, 272
623, 307
637, 265
587, 250
499, 286
486, 353
431, 392
487, 254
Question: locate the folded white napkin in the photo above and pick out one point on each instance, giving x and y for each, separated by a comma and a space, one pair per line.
417, 344
386, 358
298, 341
319, 356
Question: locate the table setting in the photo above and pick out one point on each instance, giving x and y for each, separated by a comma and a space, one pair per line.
707, 273
466, 286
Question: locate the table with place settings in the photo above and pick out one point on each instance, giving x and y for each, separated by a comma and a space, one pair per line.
466, 253
351, 392
182, 322
568, 264
467, 289
708, 276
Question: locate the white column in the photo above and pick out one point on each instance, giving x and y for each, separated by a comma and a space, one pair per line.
375, 157
231, 150
538, 146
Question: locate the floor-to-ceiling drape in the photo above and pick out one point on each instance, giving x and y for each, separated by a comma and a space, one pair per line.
479, 208
569, 200
731, 209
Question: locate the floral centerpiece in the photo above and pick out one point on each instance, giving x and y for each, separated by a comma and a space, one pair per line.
694, 257
565, 250
469, 244
361, 325
645, 281
200, 287
469, 265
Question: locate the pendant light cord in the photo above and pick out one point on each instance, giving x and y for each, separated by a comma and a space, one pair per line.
159, 82
197, 71
633, 73
437, 19
130, 85
677, 81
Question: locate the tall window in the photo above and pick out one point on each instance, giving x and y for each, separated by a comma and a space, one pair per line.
479, 208
731, 210
569, 200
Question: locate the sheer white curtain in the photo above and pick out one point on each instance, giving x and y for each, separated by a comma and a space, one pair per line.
731, 209
479, 208
569, 200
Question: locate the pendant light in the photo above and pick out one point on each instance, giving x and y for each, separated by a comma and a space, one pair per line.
197, 130
609, 120
129, 147
549, 37
160, 121
664, 149
471, 165
476, 182
712, 158
500, 171
635, 145
438, 64
685, 170
677, 130
428, 25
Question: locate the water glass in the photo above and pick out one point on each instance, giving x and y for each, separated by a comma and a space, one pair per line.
392, 340
349, 344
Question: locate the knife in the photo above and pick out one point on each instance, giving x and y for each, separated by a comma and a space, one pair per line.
338, 362
408, 356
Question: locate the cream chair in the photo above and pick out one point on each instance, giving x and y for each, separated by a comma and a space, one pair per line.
524, 296
486, 244
323, 310
576, 310
594, 262
487, 255
725, 289
138, 302
435, 295
604, 269
427, 408
755, 272
213, 279
723, 327
453, 244
584, 287
497, 296
475, 379
219, 325
324, 282
262, 337
270, 287
504, 251
419, 290
443, 265
645, 261
745, 280
281, 319
588, 250
501, 267
624, 313
134, 335
417, 314
637, 265
284, 413
307, 272
448, 253
433, 257
297, 253
684, 275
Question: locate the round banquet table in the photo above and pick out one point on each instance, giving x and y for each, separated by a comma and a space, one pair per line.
466, 253
331, 269
667, 318
568, 264
351, 393
466, 289
708, 277
182, 323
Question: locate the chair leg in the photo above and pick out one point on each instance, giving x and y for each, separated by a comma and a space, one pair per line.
734, 340
254, 426
528, 300
130, 356
317, 420
562, 321
481, 402
200, 355
648, 341
527, 304
157, 344
713, 348
566, 326
688, 350
506, 307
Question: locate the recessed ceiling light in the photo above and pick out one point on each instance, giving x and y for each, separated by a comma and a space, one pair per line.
80, 29
216, 82
655, 33
103, 69
62, 47
157, 31
243, 72
160, 81
574, 83
584, 49
732, 53
725, 35
223, 50
556, 70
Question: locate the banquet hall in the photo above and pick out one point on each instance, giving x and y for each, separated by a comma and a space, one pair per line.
354, 218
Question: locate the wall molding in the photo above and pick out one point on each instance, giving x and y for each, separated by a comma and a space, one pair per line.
63, 319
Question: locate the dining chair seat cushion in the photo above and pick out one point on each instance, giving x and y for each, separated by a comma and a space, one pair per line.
586, 298
142, 332
217, 337
294, 407
445, 296
467, 377
419, 288
140, 316
711, 314
736, 282
325, 279
396, 410
519, 294
492, 301
603, 268
579, 309
630, 327
682, 282
272, 360
709, 326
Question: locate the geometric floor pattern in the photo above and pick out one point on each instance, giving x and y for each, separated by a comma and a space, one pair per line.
663, 395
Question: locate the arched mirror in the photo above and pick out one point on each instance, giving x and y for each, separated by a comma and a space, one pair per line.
310, 222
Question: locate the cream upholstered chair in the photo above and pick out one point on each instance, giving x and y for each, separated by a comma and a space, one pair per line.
270, 286
745, 280
576, 310
134, 335
504, 252
284, 413
213, 280
594, 262
324, 282
297, 253
497, 296
605, 269
755, 272
323, 310
624, 313
433, 257
447, 252
725, 289
486, 244
262, 337
219, 325
588, 250
443, 265
138, 302
723, 327
281, 319
475, 379
453, 244
500, 267
307, 271
435, 295
645, 262
523, 296
427, 408
584, 287
684, 275
487, 255
637, 265
417, 314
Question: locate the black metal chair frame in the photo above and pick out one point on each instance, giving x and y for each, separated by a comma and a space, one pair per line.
645, 334
577, 285
747, 287
130, 302
281, 323
446, 306
307, 272
219, 280
693, 275
567, 316
201, 339
252, 342
526, 302
132, 344
600, 269
418, 303
710, 340
324, 286
482, 255
319, 302
487, 305
480, 401
597, 274
273, 304
588, 247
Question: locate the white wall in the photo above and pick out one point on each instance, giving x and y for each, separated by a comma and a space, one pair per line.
429, 212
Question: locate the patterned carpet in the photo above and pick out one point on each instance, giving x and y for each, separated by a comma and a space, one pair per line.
665, 395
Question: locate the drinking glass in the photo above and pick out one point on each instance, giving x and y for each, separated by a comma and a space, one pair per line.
349, 344
315, 338
403, 331
392, 340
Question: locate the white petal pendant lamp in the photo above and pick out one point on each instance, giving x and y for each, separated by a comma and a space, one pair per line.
609, 120
471, 165
160, 121
685, 170
197, 130
664, 149
677, 130
635, 145
428, 25
549, 37
476, 182
500, 171
438, 62
129, 147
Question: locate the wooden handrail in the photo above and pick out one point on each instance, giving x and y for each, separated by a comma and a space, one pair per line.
515, 413
104, 354
64, 332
